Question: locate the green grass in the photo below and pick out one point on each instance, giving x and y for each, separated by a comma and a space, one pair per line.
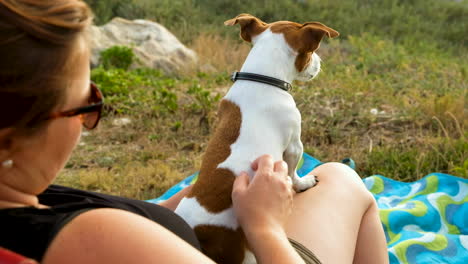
416, 22
392, 93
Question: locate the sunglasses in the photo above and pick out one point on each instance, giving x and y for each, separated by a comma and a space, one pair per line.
90, 114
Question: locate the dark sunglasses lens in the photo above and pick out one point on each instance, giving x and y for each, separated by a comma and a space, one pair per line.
96, 95
90, 120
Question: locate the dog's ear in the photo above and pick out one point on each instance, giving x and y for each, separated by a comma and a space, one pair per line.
312, 33
250, 26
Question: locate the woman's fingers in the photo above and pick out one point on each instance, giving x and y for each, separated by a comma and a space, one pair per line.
240, 183
289, 181
280, 166
264, 162
266, 200
265, 167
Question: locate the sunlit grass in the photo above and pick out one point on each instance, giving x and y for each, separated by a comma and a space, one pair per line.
392, 94
400, 116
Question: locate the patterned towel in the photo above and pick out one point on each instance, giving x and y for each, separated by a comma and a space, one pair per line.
425, 222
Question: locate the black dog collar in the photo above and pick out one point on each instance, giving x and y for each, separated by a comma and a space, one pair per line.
261, 78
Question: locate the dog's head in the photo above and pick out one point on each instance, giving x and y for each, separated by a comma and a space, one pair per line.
298, 40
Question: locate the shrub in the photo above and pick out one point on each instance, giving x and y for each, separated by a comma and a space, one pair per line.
416, 23
120, 57
105, 10
139, 90
204, 99
113, 81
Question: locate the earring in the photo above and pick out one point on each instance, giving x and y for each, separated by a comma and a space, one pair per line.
7, 164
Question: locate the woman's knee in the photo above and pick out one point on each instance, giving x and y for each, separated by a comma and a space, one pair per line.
337, 172
341, 178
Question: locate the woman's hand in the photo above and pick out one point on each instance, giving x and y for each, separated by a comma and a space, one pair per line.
262, 206
265, 202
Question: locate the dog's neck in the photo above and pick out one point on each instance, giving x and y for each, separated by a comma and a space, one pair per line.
271, 58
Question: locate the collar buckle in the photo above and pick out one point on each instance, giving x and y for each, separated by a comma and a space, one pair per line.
234, 76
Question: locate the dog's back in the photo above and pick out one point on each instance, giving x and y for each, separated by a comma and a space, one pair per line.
208, 207
253, 119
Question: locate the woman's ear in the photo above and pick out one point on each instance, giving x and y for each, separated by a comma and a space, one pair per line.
6, 142
250, 26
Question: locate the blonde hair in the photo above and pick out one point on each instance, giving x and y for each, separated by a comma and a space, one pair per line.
37, 43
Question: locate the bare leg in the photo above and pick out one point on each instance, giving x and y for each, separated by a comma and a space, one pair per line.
337, 219
371, 236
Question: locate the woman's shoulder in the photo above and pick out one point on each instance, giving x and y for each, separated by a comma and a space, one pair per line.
109, 235
79, 200
95, 233
86, 220
31, 231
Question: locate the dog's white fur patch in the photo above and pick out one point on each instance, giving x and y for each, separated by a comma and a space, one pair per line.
269, 114
194, 214
271, 124
312, 70
249, 258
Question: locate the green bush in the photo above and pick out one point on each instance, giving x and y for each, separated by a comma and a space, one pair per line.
204, 99
119, 57
125, 92
112, 82
105, 10
416, 23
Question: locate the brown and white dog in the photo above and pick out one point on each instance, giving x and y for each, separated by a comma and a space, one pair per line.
254, 118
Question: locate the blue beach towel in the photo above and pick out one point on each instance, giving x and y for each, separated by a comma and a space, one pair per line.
425, 221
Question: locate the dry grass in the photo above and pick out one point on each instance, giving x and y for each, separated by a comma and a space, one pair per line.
419, 127
218, 54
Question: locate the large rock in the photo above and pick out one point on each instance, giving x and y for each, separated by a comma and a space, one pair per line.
153, 44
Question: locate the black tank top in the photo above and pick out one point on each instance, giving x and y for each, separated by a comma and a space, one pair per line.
29, 231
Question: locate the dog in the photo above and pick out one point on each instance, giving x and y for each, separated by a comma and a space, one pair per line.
257, 116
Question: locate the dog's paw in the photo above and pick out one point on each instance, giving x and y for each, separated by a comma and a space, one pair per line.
304, 183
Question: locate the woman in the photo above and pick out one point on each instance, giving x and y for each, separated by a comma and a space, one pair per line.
45, 99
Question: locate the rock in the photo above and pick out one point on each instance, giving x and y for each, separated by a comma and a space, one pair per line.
121, 121
154, 46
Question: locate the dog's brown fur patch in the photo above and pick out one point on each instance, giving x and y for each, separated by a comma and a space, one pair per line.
222, 245
250, 26
214, 185
303, 38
